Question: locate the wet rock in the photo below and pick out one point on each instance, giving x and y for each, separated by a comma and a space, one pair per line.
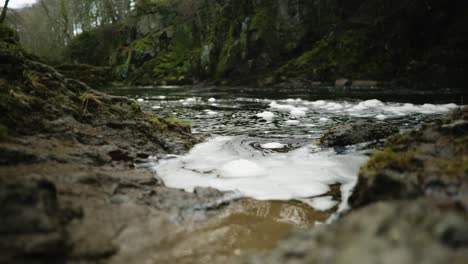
119, 155
10, 156
386, 232
357, 132
342, 82
364, 83
31, 226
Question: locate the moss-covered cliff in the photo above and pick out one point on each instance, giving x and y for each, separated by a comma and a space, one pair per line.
270, 41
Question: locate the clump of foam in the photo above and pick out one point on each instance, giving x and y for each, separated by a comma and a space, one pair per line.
241, 168
212, 100
322, 203
292, 122
297, 113
223, 163
381, 117
210, 112
273, 145
378, 109
267, 115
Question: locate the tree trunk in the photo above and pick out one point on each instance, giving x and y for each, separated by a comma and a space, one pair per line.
4, 10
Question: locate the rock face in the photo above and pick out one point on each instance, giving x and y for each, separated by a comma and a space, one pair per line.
418, 44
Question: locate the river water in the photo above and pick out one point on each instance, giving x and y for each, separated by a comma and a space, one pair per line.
263, 146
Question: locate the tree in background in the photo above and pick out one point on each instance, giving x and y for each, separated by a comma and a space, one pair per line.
47, 27
4, 10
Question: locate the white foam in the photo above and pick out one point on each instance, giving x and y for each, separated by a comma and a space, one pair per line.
297, 113
267, 115
140, 100
273, 145
212, 100
381, 117
323, 203
324, 119
281, 107
221, 164
156, 107
375, 108
292, 122
210, 112
241, 168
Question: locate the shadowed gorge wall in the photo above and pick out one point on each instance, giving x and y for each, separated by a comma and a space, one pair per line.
269, 41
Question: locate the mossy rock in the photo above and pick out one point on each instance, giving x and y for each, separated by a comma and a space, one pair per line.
415, 163
96, 77
8, 35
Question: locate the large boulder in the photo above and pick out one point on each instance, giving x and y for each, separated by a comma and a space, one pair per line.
355, 132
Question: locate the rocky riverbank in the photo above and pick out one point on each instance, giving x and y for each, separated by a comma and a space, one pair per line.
410, 205
74, 187
69, 189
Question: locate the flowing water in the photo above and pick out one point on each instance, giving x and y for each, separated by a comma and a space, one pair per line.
263, 147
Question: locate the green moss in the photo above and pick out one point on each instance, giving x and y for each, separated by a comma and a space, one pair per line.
170, 65
225, 53
263, 22
3, 132
388, 159
8, 35
174, 122
455, 167
165, 124
344, 54
89, 102
94, 76
231, 53
97, 46
155, 121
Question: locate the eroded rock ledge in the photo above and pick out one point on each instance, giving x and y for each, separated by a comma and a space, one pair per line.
69, 189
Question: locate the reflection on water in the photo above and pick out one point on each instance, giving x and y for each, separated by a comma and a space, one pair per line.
245, 226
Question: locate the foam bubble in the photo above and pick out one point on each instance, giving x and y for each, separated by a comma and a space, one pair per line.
210, 112
212, 100
297, 113
281, 107
323, 203
267, 115
292, 122
381, 117
241, 168
273, 145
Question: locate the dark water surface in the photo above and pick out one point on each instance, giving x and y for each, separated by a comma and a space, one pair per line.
234, 110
